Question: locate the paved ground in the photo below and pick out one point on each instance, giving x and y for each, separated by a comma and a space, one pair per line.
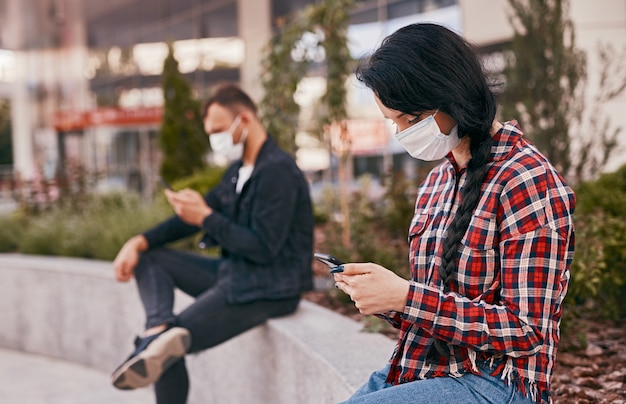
33, 379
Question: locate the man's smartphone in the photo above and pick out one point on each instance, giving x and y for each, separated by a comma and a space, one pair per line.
329, 260
164, 183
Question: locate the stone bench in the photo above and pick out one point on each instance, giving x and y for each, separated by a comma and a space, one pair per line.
73, 309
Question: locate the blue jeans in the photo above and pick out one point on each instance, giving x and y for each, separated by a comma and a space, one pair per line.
468, 389
210, 319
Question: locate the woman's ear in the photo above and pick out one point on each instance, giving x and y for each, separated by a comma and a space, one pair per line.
445, 122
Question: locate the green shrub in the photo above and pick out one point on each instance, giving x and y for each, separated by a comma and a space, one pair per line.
607, 193
97, 231
11, 229
46, 234
202, 181
103, 227
98, 226
598, 273
599, 268
372, 238
399, 204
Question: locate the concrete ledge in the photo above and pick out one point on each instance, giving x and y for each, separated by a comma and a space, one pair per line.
74, 310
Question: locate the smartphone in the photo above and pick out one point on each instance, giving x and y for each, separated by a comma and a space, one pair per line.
329, 260
164, 183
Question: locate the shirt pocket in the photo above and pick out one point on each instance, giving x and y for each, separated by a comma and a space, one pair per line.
419, 223
422, 245
479, 263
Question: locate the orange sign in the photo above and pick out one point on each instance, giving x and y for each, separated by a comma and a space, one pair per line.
361, 136
77, 120
367, 136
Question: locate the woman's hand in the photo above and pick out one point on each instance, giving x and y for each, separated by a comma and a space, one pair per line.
189, 206
373, 288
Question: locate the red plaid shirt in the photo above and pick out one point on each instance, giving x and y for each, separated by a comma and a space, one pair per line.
505, 299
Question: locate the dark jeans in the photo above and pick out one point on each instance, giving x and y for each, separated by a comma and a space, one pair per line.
210, 319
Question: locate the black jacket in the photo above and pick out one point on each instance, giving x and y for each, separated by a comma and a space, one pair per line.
266, 231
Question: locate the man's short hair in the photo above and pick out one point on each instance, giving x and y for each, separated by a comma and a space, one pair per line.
231, 97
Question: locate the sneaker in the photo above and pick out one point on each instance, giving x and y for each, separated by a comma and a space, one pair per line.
153, 356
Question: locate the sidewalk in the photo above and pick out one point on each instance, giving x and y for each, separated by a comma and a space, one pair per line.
33, 379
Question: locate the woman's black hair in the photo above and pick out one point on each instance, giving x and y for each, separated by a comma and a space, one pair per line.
424, 67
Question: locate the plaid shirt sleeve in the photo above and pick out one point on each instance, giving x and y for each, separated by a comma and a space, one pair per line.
534, 241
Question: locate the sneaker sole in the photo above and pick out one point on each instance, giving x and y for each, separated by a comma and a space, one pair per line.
147, 367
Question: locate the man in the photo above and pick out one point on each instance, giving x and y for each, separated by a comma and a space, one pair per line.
260, 214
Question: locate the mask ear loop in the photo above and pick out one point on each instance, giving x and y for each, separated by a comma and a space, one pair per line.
235, 123
234, 126
244, 136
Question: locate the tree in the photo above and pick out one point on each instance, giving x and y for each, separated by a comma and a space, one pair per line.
6, 144
546, 81
182, 137
281, 75
594, 151
319, 34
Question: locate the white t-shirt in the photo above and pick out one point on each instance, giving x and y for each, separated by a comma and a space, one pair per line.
244, 175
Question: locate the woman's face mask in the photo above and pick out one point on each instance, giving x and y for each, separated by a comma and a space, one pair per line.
222, 142
425, 141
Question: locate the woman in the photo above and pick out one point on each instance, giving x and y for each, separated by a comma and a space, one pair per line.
491, 240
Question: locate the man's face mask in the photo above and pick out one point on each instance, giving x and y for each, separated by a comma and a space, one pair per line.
425, 141
222, 142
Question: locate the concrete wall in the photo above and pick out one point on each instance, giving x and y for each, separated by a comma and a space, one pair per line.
74, 310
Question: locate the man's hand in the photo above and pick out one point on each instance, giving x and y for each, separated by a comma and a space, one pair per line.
373, 288
189, 206
128, 257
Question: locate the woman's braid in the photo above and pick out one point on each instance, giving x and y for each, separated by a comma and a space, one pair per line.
476, 171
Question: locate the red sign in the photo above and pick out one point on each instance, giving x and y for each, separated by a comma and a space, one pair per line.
77, 120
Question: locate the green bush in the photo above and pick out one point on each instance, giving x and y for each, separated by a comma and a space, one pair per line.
399, 204
97, 231
97, 226
607, 193
103, 227
202, 181
372, 238
11, 229
598, 273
